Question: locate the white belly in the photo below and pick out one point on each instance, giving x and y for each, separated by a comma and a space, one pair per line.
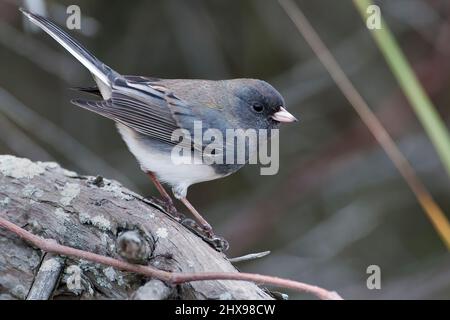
178, 176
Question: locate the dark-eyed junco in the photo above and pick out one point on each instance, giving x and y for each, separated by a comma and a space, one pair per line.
148, 110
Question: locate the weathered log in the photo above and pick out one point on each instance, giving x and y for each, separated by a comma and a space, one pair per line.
101, 216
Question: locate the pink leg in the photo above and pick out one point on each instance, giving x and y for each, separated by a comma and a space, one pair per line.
171, 207
205, 225
167, 198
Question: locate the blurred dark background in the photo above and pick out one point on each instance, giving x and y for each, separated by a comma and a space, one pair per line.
337, 205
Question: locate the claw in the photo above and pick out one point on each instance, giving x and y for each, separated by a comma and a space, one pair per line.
169, 208
220, 243
217, 242
189, 223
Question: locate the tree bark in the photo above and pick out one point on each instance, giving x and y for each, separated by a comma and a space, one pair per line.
100, 216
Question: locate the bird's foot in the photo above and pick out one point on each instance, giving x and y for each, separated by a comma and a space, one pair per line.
203, 231
169, 208
207, 234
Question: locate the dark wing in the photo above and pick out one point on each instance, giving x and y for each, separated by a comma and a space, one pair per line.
142, 105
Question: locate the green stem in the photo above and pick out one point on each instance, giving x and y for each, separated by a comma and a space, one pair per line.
413, 90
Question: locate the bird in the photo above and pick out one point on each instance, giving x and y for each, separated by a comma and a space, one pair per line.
147, 110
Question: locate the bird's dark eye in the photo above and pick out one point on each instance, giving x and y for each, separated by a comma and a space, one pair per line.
258, 107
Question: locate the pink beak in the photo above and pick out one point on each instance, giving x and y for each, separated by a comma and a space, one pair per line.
283, 116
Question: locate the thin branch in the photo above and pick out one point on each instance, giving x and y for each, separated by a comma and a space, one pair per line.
431, 208
51, 246
46, 278
248, 257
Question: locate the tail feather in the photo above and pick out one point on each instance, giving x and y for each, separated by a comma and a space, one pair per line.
91, 90
99, 70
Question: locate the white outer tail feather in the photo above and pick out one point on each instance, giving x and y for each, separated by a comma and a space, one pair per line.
99, 71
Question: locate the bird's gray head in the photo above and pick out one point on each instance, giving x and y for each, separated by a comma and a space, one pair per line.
258, 104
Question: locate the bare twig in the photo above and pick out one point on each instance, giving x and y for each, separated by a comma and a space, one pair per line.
248, 257
50, 246
46, 278
431, 208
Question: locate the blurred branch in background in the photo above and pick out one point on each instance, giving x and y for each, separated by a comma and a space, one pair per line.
421, 103
305, 78
425, 199
57, 138
20, 142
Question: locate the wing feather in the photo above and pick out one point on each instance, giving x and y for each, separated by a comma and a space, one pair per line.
151, 110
